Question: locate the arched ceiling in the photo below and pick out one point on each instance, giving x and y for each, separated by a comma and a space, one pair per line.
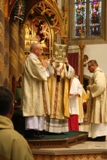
42, 20
48, 9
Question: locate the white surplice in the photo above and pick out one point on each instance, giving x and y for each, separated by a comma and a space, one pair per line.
75, 88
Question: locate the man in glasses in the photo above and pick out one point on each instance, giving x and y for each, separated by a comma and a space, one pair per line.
97, 104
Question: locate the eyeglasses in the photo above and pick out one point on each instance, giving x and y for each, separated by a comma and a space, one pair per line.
90, 66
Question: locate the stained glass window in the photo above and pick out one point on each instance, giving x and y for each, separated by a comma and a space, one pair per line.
95, 18
87, 18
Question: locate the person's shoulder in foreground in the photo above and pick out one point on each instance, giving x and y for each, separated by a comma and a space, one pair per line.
13, 146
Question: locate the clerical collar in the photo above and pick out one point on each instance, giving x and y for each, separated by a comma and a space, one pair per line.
33, 55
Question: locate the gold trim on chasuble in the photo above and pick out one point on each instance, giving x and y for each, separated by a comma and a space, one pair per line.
56, 99
66, 97
44, 99
66, 91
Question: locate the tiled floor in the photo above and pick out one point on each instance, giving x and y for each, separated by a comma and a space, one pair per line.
88, 150
85, 147
89, 146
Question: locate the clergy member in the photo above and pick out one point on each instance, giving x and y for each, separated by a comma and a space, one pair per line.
74, 94
35, 96
60, 75
97, 104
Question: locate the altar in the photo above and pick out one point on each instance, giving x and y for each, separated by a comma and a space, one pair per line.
58, 141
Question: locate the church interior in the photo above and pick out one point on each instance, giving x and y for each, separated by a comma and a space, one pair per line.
76, 29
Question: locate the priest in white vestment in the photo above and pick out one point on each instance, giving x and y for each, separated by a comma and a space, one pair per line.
60, 75
97, 103
35, 95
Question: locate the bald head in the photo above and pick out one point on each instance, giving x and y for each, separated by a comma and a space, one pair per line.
36, 48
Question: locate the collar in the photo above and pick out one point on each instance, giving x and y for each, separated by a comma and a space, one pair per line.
33, 55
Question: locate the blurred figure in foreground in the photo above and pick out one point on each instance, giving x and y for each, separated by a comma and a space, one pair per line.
12, 145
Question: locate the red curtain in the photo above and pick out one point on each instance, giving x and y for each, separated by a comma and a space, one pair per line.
73, 59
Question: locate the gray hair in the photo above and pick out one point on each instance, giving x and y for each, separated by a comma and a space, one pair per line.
93, 62
33, 46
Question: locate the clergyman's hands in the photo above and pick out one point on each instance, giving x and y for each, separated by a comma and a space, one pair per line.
88, 87
45, 63
52, 60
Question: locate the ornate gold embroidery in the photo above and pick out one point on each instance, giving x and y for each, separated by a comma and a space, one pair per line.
1, 33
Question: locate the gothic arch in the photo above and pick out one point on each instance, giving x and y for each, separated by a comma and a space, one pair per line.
49, 11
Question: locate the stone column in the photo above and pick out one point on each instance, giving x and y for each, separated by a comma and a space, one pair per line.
14, 48
2, 35
21, 49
